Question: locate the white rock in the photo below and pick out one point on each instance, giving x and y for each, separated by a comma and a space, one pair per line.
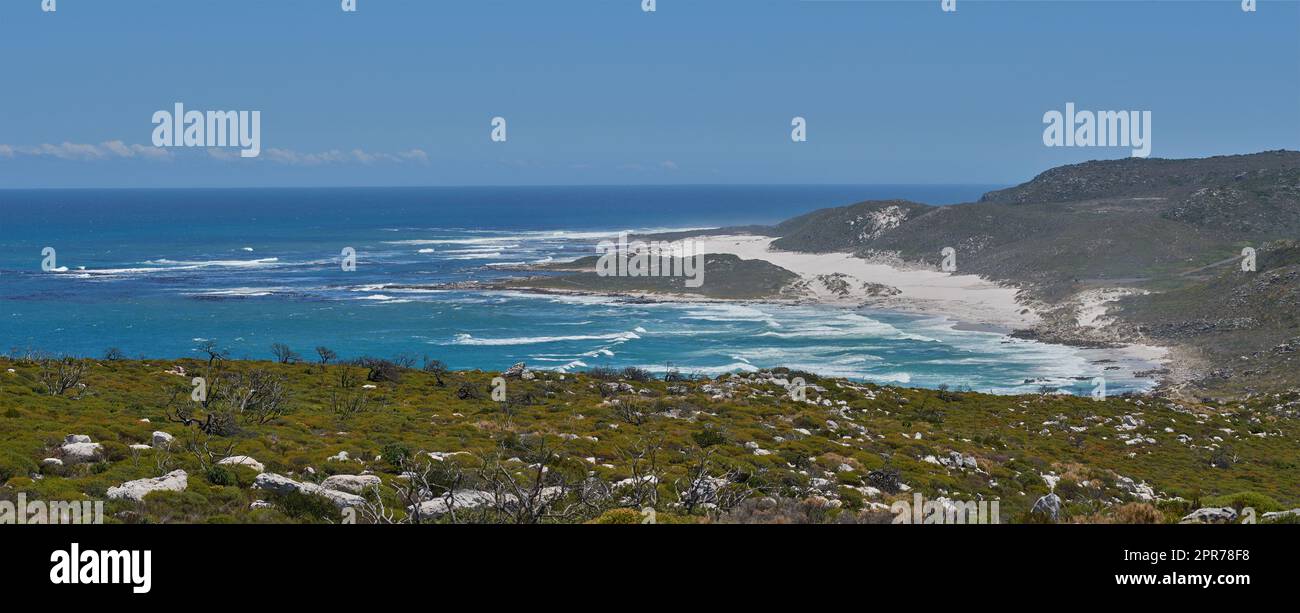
260, 504
141, 447
355, 484
1049, 505
75, 453
460, 499
1278, 515
242, 460
52, 462
76, 438
174, 481
443, 455
1210, 515
281, 484
162, 439
341, 456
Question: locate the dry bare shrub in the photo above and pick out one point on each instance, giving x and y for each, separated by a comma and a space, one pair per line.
768, 510
1131, 513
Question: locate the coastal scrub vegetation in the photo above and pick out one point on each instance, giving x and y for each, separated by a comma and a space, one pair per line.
384, 441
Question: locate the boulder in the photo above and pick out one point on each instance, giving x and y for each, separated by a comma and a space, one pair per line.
174, 481
51, 462
341, 456
443, 455
517, 370
462, 500
242, 460
1210, 515
76, 453
284, 485
76, 438
356, 484
162, 439
1292, 515
1049, 505
459, 500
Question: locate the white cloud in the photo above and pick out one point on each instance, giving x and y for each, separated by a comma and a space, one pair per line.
116, 149
82, 151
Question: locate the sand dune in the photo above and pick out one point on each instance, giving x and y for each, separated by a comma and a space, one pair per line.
966, 298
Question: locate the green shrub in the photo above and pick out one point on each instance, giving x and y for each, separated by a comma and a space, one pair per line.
1241, 500
114, 451
395, 454
708, 437
619, 516
220, 475
14, 465
307, 507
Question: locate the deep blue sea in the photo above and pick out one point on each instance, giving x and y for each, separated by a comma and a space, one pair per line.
155, 272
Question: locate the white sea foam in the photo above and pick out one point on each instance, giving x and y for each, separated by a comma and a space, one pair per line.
467, 339
239, 292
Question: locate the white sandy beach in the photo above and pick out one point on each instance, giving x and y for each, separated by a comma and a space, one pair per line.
965, 298
969, 300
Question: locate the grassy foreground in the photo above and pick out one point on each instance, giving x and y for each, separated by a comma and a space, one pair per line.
602, 446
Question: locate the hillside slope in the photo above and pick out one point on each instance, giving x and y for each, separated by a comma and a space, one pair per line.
1172, 230
383, 440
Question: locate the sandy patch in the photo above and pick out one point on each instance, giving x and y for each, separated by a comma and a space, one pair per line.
840, 278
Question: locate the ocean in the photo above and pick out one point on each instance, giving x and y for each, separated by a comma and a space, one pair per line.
156, 272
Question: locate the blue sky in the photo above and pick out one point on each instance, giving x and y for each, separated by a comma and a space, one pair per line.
598, 92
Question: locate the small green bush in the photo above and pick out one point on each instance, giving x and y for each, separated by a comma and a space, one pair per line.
14, 465
307, 506
1241, 500
220, 475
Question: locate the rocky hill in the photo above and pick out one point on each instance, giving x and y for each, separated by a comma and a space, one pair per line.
1172, 231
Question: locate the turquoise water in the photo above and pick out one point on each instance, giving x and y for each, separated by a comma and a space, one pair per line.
156, 272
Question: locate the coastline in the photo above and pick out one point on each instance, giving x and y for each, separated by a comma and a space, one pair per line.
969, 303
969, 299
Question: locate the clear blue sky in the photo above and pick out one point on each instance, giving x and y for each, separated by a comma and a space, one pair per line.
598, 92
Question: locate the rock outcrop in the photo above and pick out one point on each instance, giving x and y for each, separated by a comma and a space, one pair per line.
355, 484
174, 481
284, 485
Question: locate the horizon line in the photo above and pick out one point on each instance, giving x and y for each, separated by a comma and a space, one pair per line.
499, 186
